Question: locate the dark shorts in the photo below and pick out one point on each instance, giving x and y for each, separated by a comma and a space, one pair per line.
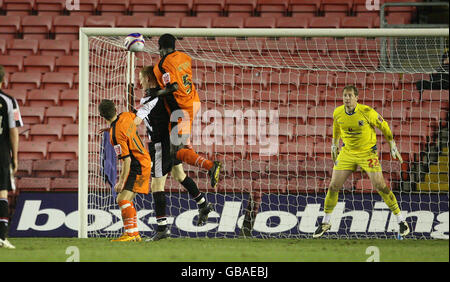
5, 178
162, 162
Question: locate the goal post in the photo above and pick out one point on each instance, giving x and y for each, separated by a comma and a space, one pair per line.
261, 85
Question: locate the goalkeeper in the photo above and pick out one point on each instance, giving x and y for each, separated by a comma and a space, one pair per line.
355, 124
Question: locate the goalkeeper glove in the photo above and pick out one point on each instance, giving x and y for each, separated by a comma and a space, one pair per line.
394, 151
334, 152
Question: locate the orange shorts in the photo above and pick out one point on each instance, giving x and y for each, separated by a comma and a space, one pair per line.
188, 108
139, 183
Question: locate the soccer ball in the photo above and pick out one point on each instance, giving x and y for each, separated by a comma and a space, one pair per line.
134, 42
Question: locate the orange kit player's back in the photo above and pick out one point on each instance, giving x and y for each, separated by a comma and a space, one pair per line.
126, 142
176, 67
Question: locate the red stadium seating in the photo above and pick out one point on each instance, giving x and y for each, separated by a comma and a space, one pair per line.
40, 63
336, 7
113, 7
259, 22
196, 22
45, 132
304, 7
331, 21
31, 150
357, 22
10, 26
176, 7
244, 8
291, 22
228, 22
86, 8
271, 8
22, 47
132, 21
100, 21
307, 184
2, 46
69, 97
36, 27
158, 21
50, 7
25, 168
208, 8
64, 184
34, 184
149, 7
43, 98
25, 80
57, 80
18, 7
67, 27
62, 150
67, 64
72, 168
11, 63
49, 168
32, 115
70, 132
61, 115
54, 47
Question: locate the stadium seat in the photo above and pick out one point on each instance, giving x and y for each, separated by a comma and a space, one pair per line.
61, 150
356, 78
230, 152
22, 47
61, 115
36, 27
25, 80
158, 21
34, 184
25, 168
67, 27
31, 150
176, 7
86, 8
54, 47
49, 168
100, 21
360, 8
70, 132
64, 184
57, 80
271, 8
304, 7
294, 150
11, 63
291, 22
69, 97
312, 130
331, 21
149, 7
296, 113
20, 95
385, 81
196, 22
244, 8
259, 22
269, 96
228, 22
432, 95
43, 97
50, 7
67, 64
238, 98
45, 132
249, 169
112, 7
32, 115
357, 22
269, 185
18, 7
39, 63
209, 8
132, 21
72, 168
74, 47
10, 26
336, 7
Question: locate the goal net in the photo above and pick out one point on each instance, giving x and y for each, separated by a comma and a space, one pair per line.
267, 100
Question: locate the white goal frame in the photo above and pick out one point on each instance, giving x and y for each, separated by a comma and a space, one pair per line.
84, 33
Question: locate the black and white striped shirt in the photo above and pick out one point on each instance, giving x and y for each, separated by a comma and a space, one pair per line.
9, 118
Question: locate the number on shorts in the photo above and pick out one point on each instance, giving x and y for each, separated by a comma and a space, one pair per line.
373, 162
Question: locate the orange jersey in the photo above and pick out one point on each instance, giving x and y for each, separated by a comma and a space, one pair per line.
126, 142
176, 67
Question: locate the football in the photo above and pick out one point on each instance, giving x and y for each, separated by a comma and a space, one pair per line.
134, 42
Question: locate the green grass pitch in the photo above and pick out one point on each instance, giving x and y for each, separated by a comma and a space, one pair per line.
226, 250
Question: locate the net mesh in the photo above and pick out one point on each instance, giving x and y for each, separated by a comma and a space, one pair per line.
266, 113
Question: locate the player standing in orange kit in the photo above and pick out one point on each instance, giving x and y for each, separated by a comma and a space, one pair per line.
174, 73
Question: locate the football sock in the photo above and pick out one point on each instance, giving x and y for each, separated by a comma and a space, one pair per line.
192, 188
189, 156
391, 202
3, 218
330, 202
160, 210
129, 217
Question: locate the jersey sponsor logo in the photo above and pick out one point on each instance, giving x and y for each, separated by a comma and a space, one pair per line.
166, 78
118, 150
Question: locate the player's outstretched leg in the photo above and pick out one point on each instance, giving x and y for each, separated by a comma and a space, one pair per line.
203, 214
323, 227
214, 173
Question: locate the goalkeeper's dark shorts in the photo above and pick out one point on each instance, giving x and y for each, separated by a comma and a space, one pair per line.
162, 162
